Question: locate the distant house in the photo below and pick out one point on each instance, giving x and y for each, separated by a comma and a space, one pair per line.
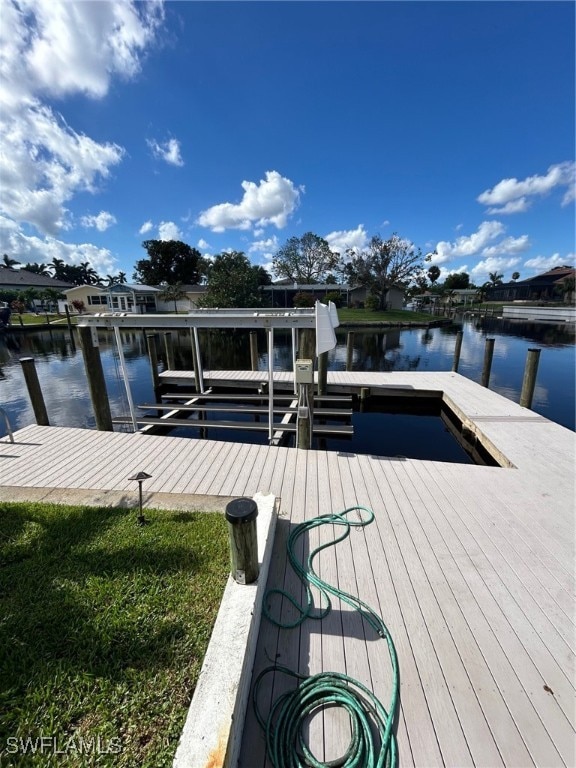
116, 298
19, 280
186, 303
282, 293
549, 286
139, 299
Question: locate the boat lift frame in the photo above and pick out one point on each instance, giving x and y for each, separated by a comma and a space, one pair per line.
323, 319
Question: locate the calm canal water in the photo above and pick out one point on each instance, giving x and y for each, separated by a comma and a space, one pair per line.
62, 376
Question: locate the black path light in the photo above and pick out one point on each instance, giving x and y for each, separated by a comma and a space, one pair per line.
140, 477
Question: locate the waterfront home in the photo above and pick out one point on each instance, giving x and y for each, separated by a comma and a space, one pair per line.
553, 285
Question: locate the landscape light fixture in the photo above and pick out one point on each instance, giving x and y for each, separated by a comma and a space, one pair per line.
140, 477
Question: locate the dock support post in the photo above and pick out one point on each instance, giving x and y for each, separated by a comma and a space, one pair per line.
153, 355
34, 391
96, 381
254, 350
529, 381
307, 351
70, 327
488, 354
169, 348
241, 516
349, 350
364, 395
457, 350
322, 373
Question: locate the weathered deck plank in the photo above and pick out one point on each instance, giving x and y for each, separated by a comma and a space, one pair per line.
472, 568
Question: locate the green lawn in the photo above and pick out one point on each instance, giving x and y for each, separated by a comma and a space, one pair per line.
103, 629
29, 318
392, 316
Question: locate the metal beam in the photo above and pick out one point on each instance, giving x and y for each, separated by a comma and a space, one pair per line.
251, 318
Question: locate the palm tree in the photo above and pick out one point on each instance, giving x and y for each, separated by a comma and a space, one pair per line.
515, 275
121, 278
172, 293
52, 295
37, 268
89, 274
495, 278
8, 262
58, 267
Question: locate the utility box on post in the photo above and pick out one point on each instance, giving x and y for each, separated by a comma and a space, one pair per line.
304, 371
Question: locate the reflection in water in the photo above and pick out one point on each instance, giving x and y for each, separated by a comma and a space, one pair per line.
62, 376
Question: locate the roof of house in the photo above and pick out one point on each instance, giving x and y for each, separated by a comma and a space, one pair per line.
22, 278
556, 275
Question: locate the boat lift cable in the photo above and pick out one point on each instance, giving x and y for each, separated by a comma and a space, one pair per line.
372, 743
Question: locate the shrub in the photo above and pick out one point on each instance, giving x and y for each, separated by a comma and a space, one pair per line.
303, 299
335, 297
372, 303
78, 305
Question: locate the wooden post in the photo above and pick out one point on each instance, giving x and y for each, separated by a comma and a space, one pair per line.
169, 347
153, 355
364, 395
70, 326
529, 381
349, 350
34, 391
241, 515
457, 349
307, 351
96, 381
322, 373
488, 353
254, 350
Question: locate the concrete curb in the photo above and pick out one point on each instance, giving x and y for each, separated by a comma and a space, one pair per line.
212, 734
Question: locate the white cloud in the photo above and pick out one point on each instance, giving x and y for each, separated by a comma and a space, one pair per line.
204, 245
508, 245
145, 228
467, 245
43, 250
57, 49
265, 249
343, 240
167, 230
271, 201
45, 163
543, 263
62, 48
482, 270
169, 151
513, 206
510, 195
101, 222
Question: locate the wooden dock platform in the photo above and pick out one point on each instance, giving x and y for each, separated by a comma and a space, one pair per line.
471, 567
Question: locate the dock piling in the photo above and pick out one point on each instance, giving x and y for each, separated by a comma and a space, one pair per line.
349, 350
96, 380
241, 516
153, 356
307, 350
169, 348
488, 354
529, 381
457, 350
34, 391
322, 373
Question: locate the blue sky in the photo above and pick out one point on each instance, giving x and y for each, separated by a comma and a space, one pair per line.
238, 125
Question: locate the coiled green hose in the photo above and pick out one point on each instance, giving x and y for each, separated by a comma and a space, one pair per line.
372, 743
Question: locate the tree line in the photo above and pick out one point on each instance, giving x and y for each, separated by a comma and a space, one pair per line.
231, 280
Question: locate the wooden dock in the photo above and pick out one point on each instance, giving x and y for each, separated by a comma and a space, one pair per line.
471, 567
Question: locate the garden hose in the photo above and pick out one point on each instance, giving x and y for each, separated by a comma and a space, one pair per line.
372, 743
